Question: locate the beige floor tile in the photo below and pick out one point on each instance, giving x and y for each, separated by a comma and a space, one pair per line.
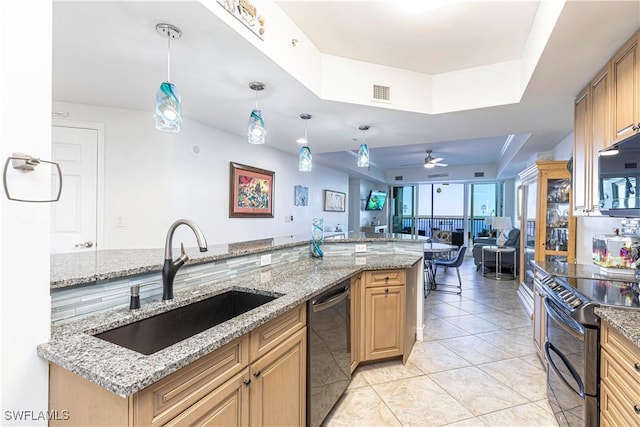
421, 402
388, 371
438, 329
517, 342
473, 324
544, 404
506, 320
431, 356
445, 310
357, 380
526, 415
475, 350
361, 407
520, 376
472, 306
479, 392
469, 422
534, 359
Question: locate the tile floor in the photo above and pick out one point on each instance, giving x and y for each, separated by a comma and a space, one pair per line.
476, 366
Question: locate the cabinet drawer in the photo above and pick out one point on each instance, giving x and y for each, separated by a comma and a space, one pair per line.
624, 353
163, 400
266, 337
384, 278
615, 407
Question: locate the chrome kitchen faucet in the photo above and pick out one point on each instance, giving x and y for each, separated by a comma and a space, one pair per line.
171, 267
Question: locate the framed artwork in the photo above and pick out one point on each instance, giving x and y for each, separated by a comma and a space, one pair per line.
250, 192
302, 195
334, 201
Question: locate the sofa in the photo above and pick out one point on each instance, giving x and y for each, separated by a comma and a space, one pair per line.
507, 259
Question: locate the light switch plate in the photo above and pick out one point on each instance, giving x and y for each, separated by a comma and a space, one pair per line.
360, 260
362, 247
265, 260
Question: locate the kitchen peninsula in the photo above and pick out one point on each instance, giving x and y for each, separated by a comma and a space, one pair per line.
293, 277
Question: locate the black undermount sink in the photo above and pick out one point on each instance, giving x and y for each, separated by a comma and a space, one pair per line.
149, 335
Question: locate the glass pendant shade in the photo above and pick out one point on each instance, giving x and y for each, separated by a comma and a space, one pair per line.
305, 163
363, 156
168, 111
256, 134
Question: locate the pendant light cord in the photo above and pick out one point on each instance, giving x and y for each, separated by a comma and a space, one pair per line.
168, 57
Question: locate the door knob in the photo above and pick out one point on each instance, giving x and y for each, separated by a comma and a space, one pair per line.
86, 244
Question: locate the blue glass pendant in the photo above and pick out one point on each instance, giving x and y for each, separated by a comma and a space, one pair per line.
363, 156
168, 111
256, 133
305, 163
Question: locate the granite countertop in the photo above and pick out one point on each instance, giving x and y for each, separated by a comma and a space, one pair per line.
126, 372
625, 321
76, 268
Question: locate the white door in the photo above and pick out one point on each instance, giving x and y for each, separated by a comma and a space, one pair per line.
73, 217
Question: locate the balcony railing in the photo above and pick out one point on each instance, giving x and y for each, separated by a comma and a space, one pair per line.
425, 225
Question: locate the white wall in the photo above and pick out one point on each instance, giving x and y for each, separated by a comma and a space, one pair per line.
25, 115
153, 178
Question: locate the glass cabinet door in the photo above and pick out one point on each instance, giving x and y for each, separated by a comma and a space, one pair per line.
528, 232
557, 213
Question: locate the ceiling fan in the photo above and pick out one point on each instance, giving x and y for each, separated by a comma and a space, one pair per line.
430, 161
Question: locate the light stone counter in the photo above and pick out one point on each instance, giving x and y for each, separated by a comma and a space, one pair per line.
585, 271
625, 321
73, 269
126, 372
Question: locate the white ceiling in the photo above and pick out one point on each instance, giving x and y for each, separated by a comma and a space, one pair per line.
108, 53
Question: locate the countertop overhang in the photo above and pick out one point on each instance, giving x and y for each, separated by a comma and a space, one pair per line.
125, 372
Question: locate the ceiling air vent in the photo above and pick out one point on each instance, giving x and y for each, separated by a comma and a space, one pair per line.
381, 93
478, 174
399, 178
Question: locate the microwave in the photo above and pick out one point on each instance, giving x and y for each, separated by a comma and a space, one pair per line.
619, 176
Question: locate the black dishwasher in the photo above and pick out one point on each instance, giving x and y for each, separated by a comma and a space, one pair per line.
329, 351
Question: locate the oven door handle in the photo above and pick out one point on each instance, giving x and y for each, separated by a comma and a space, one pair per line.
548, 346
552, 312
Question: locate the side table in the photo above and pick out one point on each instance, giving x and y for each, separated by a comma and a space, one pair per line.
499, 250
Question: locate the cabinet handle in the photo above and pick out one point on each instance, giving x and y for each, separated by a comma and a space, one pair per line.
256, 374
637, 366
634, 127
636, 408
246, 381
386, 291
386, 279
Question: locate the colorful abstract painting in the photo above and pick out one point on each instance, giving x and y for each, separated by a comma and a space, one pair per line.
251, 191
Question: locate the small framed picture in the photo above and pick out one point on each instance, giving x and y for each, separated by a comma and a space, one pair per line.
250, 192
334, 201
302, 195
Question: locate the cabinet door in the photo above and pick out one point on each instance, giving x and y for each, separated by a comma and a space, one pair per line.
624, 93
278, 384
384, 322
539, 321
581, 150
600, 136
356, 283
228, 405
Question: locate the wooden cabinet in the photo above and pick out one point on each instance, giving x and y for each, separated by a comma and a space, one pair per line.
625, 91
384, 314
539, 317
355, 326
555, 226
591, 134
257, 379
620, 379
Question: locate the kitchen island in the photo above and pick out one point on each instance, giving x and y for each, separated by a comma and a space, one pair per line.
293, 281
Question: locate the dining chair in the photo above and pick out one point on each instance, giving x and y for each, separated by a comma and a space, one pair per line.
454, 262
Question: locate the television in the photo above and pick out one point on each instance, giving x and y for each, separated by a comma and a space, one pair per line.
375, 201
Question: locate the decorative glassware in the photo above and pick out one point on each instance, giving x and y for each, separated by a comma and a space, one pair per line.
363, 156
256, 134
305, 163
168, 111
317, 236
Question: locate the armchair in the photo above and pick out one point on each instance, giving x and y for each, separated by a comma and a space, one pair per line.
513, 240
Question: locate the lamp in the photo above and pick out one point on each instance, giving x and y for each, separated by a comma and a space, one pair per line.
305, 162
502, 223
256, 133
488, 221
168, 115
363, 152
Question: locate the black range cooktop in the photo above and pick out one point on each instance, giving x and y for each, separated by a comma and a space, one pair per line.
609, 292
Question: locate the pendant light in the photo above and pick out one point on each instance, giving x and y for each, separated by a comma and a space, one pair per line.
256, 134
168, 115
363, 152
305, 162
